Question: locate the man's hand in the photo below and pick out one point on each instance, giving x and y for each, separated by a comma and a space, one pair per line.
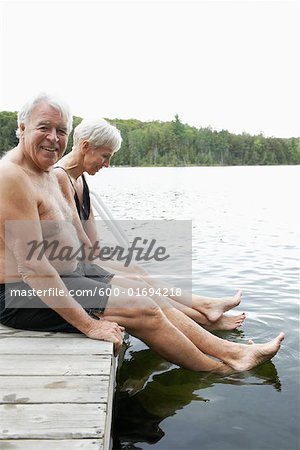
107, 331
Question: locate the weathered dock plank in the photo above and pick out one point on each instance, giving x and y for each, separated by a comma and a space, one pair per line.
53, 346
7, 331
55, 365
52, 389
56, 391
66, 421
62, 444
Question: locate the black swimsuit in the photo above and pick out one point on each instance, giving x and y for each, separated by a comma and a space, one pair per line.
84, 208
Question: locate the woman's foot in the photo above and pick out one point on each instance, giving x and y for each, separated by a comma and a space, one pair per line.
249, 356
214, 308
227, 323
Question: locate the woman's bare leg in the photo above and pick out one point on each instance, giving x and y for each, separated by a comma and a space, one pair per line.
222, 323
212, 308
225, 323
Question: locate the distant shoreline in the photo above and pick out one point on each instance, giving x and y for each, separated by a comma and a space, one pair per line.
175, 144
202, 165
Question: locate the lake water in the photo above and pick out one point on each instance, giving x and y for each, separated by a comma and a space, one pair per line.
245, 234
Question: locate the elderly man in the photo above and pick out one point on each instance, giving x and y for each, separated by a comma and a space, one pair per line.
33, 210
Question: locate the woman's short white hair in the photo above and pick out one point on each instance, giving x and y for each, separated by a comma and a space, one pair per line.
25, 112
99, 133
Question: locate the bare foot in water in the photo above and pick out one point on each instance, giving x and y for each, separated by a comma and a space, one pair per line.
252, 355
227, 323
213, 308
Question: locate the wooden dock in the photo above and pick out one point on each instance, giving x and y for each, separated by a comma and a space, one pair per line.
56, 391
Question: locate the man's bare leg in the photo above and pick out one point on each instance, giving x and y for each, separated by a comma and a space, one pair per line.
240, 357
180, 340
147, 322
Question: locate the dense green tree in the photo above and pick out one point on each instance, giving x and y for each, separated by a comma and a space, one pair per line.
175, 144
8, 126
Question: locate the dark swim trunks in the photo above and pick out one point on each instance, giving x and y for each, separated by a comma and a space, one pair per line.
31, 313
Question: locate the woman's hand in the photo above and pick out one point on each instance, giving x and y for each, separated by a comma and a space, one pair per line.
138, 270
104, 330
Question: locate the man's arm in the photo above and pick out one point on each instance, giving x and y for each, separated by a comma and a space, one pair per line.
19, 209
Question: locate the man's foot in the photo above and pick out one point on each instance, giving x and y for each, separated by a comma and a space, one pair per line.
213, 308
227, 323
252, 355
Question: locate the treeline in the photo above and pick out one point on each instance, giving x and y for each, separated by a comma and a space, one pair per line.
176, 144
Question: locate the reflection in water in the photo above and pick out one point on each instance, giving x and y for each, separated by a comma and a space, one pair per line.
159, 389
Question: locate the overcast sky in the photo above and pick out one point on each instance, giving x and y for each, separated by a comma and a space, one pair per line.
225, 64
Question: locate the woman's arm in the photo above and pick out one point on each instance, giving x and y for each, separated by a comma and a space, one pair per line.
90, 228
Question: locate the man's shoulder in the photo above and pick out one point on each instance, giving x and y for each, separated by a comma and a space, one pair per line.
10, 172
7, 164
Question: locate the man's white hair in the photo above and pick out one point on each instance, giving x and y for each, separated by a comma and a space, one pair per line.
25, 112
99, 133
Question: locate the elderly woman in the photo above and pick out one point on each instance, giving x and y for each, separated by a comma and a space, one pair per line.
94, 143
